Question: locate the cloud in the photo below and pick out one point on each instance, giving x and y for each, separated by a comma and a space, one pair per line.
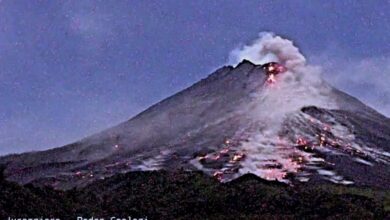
367, 79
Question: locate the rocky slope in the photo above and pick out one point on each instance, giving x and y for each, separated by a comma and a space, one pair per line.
292, 128
228, 124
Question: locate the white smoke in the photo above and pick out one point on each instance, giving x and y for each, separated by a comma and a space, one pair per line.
267, 48
300, 86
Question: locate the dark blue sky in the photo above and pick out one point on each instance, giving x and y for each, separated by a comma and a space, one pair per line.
72, 68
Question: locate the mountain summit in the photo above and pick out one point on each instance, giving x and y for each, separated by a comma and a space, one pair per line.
295, 128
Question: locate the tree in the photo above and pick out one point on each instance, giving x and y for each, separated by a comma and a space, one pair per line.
2, 177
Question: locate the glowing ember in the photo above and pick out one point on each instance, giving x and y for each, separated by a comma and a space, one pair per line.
273, 68
238, 157
271, 79
327, 128
202, 158
301, 142
274, 174
322, 140
224, 151
218, 175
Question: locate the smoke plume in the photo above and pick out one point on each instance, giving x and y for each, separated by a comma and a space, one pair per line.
267, 48
302, 85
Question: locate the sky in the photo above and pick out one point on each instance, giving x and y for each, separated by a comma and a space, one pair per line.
69, 69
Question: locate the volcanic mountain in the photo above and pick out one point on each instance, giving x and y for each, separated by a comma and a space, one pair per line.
295, 128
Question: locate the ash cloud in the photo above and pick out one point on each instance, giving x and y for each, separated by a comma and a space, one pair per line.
300, 86
269, 47
367, 79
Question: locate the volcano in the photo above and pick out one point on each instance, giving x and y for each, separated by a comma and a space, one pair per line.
296, 130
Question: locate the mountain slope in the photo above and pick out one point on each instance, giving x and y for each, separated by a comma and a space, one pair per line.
216, 115
294, 128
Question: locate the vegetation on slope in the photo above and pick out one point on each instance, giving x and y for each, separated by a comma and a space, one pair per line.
192, 195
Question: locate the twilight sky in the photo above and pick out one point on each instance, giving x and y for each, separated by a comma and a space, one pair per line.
72, 68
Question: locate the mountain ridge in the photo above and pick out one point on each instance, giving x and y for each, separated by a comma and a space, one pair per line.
217, 113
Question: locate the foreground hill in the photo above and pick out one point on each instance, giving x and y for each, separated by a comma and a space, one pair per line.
193, 195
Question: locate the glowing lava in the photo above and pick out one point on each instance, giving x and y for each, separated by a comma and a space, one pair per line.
271, 79
272, 69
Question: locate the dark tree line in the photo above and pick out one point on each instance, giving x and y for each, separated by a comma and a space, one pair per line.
192, 195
